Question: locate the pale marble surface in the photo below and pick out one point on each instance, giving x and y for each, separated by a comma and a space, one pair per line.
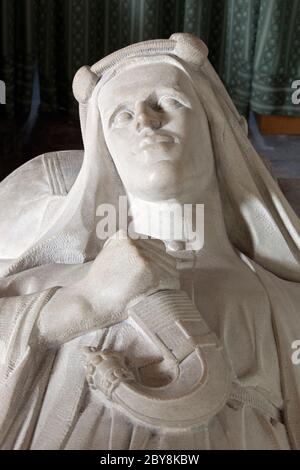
131, 344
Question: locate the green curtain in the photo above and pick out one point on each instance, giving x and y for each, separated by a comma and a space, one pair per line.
277, 57
254, 44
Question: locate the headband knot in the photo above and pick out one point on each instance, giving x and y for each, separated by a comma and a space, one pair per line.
84, 83
190, 48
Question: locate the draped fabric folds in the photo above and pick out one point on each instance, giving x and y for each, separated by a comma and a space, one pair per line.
254, 45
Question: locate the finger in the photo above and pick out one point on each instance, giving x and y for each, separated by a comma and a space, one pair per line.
161, 260
156, 245
119, 236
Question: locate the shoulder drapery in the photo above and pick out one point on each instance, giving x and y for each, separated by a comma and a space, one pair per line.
25, 365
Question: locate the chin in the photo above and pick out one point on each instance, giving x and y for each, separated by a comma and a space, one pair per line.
161, 182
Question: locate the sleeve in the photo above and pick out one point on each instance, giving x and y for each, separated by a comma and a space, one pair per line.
25, 365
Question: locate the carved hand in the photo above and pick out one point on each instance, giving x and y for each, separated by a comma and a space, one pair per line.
124, 272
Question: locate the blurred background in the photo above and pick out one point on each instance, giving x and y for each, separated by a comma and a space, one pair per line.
253, 44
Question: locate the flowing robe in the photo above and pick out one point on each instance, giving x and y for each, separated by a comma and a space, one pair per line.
46, 402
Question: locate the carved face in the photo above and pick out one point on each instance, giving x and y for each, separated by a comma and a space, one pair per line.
155, 129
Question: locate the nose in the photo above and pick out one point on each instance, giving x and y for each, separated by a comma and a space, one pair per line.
146, 117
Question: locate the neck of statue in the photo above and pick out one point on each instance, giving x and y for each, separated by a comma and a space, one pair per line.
198, 226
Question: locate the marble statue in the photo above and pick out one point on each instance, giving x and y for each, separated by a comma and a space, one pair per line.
149, 342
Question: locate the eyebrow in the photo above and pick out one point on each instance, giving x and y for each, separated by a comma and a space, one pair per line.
172, 92
177, 94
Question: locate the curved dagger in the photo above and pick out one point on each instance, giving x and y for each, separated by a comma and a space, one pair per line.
200, 382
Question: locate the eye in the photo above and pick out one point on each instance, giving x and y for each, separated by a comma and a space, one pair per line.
122, 118
169, 103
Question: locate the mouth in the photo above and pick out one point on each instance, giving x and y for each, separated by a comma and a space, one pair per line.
156, 138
